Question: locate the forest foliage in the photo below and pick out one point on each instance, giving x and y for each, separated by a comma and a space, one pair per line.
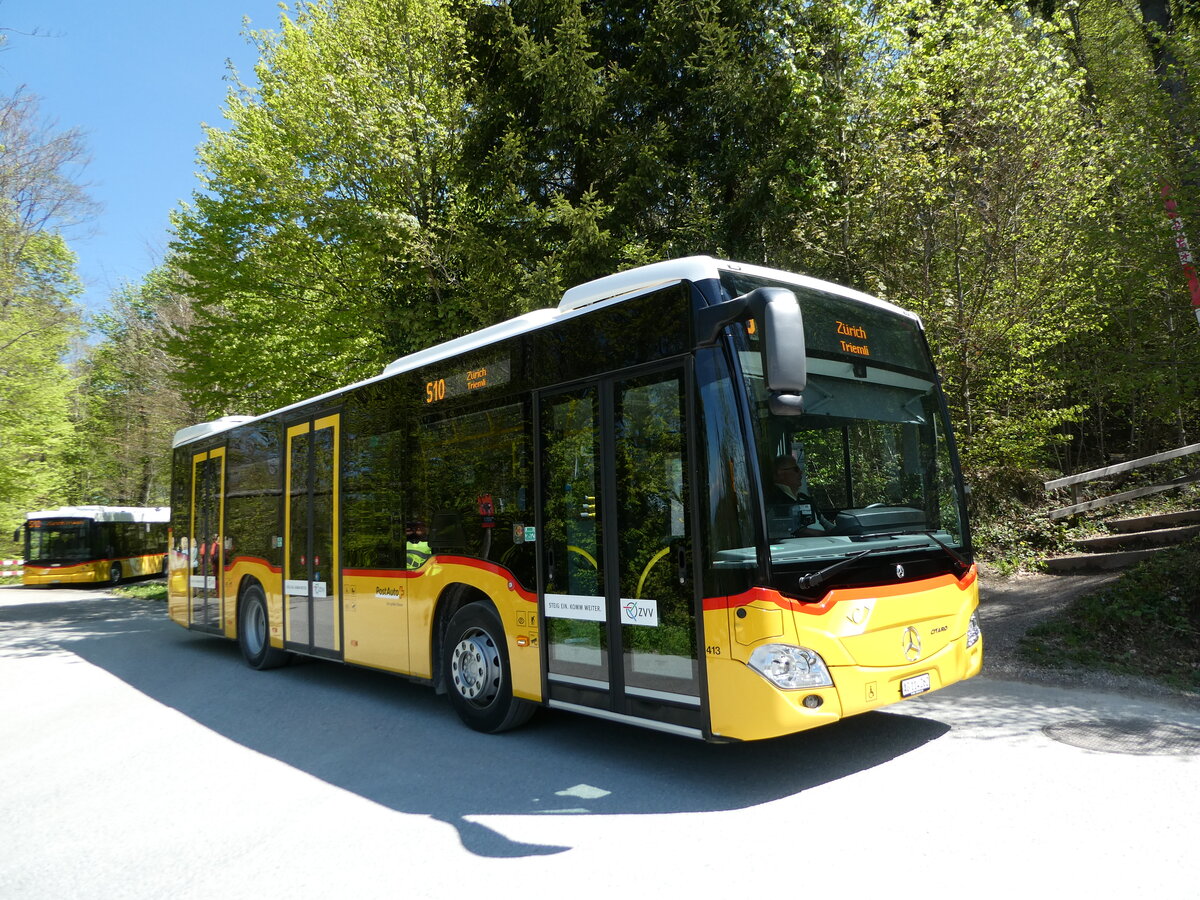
39, 200
399, 172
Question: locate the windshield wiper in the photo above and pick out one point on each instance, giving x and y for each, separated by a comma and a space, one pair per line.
932, 535
815, 579
966, 566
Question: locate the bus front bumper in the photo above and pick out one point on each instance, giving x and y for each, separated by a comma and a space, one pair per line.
747, 707
86, 573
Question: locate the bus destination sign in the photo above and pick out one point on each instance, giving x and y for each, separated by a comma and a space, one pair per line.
468, 380
849, 335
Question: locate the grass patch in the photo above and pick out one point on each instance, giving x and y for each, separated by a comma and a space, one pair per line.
1146, 623
145, 590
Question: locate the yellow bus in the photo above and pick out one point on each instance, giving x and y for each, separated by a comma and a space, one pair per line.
94, 544
703, 497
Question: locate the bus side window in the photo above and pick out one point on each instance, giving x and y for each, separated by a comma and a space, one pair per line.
471, 479
446, 534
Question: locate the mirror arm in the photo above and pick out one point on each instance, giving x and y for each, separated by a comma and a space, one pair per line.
777, 313
711, 320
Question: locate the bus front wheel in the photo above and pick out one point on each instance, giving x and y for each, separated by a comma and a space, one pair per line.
254, 634
477, 674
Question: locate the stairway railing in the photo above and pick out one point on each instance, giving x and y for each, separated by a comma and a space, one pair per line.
1075, 481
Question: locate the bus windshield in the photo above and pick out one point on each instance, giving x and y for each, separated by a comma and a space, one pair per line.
58, 540
867, 466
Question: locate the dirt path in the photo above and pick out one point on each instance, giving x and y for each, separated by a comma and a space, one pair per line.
1010, 605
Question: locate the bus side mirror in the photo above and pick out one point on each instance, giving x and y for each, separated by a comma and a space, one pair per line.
778, 315
17, 536
783, 350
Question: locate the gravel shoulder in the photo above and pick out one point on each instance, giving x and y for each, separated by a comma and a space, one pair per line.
1010, 605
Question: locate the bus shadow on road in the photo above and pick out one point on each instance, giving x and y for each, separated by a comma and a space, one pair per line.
397, 744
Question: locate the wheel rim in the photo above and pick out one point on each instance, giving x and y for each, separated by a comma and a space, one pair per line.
475, 667
114, 574
256, 628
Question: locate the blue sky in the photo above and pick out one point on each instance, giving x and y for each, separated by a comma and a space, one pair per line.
138, 77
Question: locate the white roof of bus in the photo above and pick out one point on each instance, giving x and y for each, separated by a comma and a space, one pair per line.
699, 268
195, 432
107, 513
609, 289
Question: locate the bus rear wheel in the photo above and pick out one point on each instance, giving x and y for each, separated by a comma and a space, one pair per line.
254, 633
477, 674
114, 574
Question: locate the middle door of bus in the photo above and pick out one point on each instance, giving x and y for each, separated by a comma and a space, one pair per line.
206, 540
311, 584
616, 573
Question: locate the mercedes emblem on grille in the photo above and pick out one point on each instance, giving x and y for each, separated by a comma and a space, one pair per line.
911, 642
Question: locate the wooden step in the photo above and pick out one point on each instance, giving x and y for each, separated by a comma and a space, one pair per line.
1139, 540
1099, 562
1152, 523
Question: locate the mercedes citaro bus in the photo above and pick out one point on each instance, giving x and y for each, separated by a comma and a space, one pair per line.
93, 544
703, 497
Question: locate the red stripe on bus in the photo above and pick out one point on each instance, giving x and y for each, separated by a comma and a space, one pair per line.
834, 597
237, 560
490, 568
379, 573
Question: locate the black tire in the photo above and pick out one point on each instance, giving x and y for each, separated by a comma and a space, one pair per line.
254, 633
477, 674
114, 574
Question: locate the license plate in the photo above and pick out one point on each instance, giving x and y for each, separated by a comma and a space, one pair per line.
918, 684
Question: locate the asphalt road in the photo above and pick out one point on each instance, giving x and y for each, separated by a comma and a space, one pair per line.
139, 760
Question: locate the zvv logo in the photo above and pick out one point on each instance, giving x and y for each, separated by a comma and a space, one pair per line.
639, 612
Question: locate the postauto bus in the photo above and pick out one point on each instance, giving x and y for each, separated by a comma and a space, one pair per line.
699, 496
94, 544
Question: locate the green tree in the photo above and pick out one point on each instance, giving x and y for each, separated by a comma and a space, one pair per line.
38, 317
983, 192
1134, 376
128, 405
408, 172
37, 324
317, 247
605, 135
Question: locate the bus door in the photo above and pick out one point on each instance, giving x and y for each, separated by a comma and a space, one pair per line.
311, 587
617, 590
206, 540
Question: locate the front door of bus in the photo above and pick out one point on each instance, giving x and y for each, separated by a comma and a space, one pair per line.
206, 540
617, 587
312, 612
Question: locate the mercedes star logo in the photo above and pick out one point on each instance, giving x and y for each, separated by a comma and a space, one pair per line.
911, 642
899, 571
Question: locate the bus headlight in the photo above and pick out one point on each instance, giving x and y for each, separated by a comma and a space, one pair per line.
974, 632
790, 667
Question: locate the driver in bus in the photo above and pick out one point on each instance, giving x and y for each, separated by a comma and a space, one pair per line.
789, 499
417, 551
